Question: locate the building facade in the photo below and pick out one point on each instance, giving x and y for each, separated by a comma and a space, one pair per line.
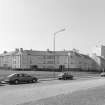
30, 59
26, 59
81, 61
100, 60
99, 50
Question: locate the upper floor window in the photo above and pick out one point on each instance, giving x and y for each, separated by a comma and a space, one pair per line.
50, 57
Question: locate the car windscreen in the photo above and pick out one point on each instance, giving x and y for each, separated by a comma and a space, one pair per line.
11, 75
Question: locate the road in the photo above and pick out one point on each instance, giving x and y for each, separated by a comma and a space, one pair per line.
16, 94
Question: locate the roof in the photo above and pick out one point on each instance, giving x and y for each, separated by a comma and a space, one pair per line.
86, 56
31, 52
101, 57
8, 53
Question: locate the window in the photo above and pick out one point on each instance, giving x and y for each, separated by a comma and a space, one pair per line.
17, 75
21, 75
71, 62
50, 57
50, 62
71, 56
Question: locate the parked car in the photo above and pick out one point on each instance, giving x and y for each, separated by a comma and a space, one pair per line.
65, 76
17, 78
102, 74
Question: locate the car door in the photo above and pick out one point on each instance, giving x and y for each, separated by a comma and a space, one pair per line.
14, 77
21, 78
27, 77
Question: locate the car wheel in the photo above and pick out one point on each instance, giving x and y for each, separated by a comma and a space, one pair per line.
34, 80
16, 81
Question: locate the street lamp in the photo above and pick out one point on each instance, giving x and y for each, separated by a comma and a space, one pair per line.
54, 43
54, 37
68, 60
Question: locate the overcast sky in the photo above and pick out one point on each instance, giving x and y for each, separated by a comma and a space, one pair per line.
30, 24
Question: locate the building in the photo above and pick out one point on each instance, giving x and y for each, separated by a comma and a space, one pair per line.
26, 59
11, 59
80, 61
98, 54
31, 59
99, 50
100, 62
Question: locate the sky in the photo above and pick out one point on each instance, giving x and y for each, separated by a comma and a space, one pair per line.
31, 24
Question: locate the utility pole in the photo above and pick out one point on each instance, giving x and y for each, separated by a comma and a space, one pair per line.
54, 35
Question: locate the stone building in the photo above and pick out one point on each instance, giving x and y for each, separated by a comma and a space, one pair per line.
81, 61
31, 59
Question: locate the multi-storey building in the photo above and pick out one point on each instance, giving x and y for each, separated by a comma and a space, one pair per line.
29, 59
81, 61
100, 60
98, 54
26, 59
11, 59
99, 50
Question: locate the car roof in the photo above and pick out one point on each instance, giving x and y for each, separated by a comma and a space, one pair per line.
16, 74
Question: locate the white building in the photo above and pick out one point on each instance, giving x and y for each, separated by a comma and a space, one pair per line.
81, 61
26, 59
30, 59
99, 50
98, 54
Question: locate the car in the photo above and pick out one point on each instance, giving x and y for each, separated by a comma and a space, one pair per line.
17, 78
65, 76
102, 74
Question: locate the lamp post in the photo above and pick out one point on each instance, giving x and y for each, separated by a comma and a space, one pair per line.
103, 69
55, 33
68, 60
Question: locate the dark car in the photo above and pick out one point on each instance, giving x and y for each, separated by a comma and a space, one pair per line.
65, 76
102, 74
20, 78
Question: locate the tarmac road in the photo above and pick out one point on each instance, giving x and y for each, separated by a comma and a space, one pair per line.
16, 94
